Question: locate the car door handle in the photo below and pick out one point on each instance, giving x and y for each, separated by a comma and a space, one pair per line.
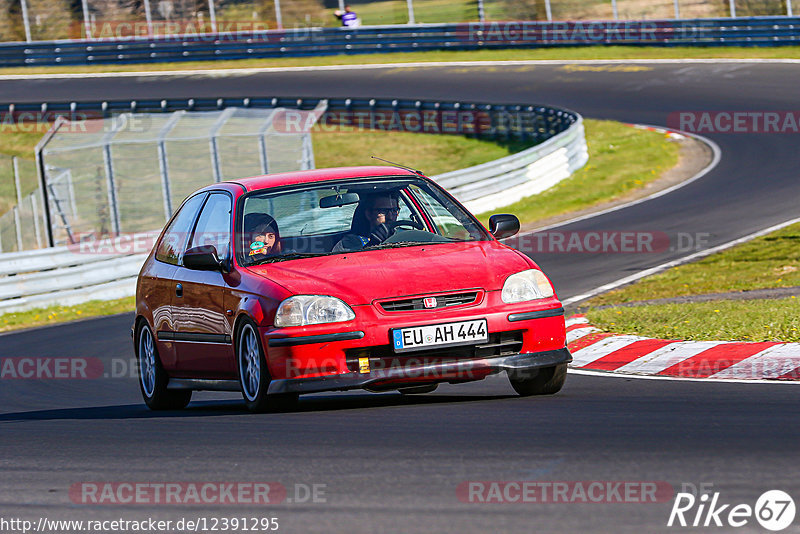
179, 290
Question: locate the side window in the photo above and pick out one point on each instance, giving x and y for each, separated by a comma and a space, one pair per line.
446, 224
405, 210
214, 225
171, 246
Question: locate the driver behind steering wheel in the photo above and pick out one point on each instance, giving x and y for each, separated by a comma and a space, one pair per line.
373, 222
381, 213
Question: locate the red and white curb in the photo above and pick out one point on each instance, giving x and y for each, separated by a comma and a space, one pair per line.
627, 354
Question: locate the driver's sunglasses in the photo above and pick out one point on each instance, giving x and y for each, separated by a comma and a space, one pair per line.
386, 211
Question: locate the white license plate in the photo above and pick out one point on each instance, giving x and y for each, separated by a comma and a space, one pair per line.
440, 335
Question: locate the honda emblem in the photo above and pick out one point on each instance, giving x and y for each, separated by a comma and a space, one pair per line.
430, 302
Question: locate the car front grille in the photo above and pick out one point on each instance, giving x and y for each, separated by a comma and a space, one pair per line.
418, 303
383, 357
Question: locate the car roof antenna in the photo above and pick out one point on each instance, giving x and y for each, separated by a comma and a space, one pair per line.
399, 165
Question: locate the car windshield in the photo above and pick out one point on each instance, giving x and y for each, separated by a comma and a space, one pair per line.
349, 216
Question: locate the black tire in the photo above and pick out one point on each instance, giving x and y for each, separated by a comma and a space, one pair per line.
547, 381
418, 390
152, 377
254, 375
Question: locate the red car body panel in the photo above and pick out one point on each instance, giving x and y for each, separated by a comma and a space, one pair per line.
213, 302
380, 274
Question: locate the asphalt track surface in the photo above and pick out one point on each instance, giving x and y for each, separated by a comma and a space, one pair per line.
392, 463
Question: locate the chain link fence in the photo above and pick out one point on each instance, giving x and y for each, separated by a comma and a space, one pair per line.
35, 20
128, 173
21, 221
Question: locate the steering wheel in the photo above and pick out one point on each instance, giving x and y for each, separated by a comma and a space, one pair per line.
416, 225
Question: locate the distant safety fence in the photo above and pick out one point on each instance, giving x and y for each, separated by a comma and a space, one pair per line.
316, 41
129, 172
100, 174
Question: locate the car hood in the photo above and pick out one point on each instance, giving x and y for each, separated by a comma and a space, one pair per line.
361, 277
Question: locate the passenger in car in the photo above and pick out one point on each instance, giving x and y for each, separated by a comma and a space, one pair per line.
262, 236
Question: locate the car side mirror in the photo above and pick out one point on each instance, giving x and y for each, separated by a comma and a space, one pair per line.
202, 258
503, 225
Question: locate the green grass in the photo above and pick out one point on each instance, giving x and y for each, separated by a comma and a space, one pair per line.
752, 320
427, 11
60, 314
567, 54
621, 159
771, 261
432, 154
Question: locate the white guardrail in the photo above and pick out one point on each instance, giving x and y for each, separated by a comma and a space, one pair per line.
68, 275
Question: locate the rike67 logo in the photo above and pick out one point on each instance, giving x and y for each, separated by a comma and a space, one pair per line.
774, 510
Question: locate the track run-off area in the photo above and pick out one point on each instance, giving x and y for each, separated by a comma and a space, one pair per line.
386, 462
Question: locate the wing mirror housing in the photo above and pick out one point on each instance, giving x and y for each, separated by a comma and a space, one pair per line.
203, 258
503, 225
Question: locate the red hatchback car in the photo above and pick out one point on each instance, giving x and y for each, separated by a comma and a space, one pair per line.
336, 279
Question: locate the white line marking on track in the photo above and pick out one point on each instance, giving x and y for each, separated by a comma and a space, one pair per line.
417, 64
614, 374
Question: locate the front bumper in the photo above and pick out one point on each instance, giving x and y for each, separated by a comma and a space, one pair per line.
391, 378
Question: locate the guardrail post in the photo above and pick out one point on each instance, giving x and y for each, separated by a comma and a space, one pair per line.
549, 11
678, 9
789, 8
15, 165
614, 9
148, 18
87, 24
215, 162
212, 13
732, 4
262, 143
163, 162
411, 11
25, 21
482, 12
112, 193
36, 228
42, 172
278, 16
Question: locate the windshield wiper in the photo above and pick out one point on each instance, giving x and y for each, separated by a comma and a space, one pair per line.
288, 256
399, 245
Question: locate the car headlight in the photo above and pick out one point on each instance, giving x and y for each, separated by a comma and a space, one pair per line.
302, 310
527, 285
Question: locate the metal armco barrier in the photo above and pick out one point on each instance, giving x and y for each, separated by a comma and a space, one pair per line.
501, 182
73, 274
312, 41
